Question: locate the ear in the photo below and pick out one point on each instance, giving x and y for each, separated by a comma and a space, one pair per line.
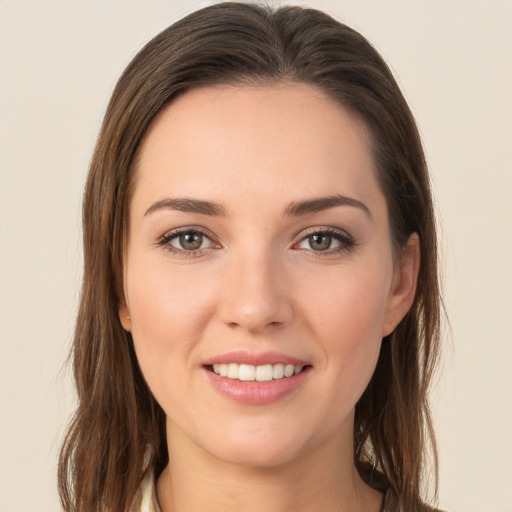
124, 316
123, 308
403, 288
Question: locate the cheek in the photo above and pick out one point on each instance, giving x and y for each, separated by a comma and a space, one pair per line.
168, 312
347, 320
161, 296
349, 303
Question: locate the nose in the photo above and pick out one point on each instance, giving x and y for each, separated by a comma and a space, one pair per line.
255, 295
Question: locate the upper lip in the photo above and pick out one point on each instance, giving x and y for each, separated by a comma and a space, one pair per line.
255, 359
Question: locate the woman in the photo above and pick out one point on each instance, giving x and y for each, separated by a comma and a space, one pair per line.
259, 316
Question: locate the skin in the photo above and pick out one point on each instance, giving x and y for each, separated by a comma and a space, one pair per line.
256, 284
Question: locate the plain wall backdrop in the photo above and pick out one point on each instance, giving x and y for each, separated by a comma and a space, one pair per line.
59, 61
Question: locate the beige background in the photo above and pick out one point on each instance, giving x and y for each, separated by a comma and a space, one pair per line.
59, 61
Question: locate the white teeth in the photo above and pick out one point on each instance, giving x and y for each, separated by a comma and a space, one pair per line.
289, 369
278, 371
263, 373
246, 372
233, 370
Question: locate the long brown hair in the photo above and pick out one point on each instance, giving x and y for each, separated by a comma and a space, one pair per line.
118, 430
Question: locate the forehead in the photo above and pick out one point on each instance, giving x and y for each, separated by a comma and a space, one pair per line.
289, 139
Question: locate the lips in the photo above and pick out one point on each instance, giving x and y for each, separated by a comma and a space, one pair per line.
256, 379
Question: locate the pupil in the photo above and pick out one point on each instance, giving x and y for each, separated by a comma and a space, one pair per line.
320, 242
191, 241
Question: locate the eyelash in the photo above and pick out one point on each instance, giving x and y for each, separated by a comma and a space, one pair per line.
165, 241
346, 242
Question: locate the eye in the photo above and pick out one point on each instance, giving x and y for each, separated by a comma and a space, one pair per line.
320, 242
189, 241
328, 240
186, 241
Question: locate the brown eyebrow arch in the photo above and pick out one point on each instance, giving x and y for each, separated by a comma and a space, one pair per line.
323, 203
293, 209
188, 205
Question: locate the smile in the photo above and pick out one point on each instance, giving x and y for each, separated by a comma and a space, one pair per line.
262, 373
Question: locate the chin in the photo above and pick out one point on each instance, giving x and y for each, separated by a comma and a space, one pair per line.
259, 448
257, 457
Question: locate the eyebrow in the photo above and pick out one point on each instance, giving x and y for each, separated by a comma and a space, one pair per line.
188, 205
323, 203
294, 209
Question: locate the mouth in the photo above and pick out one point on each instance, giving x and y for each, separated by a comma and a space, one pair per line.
257, 378
253, 373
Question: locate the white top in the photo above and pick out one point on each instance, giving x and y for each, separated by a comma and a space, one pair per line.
145, 499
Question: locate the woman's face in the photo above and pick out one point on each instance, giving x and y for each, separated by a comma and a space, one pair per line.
259, 246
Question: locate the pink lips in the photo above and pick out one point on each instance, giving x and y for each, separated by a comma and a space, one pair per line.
253, 392
242, 357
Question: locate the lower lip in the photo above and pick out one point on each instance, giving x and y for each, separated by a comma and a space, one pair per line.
257, 393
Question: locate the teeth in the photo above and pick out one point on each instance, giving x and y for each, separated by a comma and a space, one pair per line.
289, 370
263, 373
246, 372
233, 371
278, 371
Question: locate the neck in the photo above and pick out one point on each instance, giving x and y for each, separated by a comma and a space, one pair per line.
323, 478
